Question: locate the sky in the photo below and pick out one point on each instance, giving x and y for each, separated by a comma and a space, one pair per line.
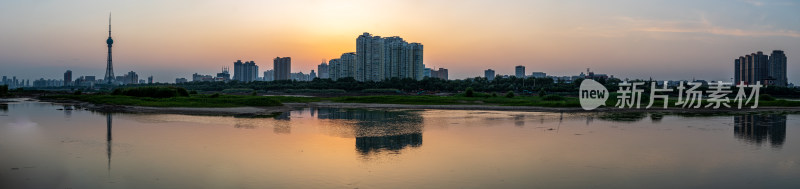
665, 40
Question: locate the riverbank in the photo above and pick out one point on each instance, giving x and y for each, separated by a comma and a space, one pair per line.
277, 110
243, 111
544, 109
243, 106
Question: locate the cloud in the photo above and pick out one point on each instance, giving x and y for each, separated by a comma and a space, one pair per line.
724, 31
754, 2
702, 26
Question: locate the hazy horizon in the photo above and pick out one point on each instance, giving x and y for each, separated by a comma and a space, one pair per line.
666, 40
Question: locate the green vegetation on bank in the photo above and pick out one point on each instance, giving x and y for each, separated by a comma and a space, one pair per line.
152, 92
169, 96
217, 100
458, 100
3, 90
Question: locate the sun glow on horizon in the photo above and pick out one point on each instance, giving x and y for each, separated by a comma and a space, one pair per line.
178, 38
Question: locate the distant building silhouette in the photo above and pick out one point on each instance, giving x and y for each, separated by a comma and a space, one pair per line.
200, 77
426, 72
269, 75
322, 70
181, 80
441, 73
300, 76
519, 71
538, 75
245, 72
282, 68
224, 75
129, 78
380, 58
591, 75
489, 74
238, 70
369, 57
758, 67
777, 68
68, 78
342, 67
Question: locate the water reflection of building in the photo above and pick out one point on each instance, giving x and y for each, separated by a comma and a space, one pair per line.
283, 125
366, 145
377, 130
758, 129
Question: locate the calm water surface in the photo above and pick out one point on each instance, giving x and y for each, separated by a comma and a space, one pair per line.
43, 147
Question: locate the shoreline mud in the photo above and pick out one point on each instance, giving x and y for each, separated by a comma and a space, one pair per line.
261, 111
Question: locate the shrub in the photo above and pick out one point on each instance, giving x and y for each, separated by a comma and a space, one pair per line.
117, 91
494, 94
381, 91
326, 91
215, 95
510, 94
552, 98
193, 92
469, 92
3, 90
153, 92
78, 92
541, 92
181, 91
237, 90
766, 97
253, 93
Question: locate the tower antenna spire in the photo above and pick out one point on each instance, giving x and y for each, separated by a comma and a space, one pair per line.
109, 78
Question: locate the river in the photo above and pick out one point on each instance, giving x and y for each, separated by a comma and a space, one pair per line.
46, 145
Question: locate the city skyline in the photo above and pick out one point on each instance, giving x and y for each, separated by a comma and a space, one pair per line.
666, 41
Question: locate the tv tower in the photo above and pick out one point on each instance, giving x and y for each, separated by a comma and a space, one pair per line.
109, 66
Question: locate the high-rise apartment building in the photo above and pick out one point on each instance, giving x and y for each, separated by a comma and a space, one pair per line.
129, 78
777, 68
322, 70
344, 66
282, 68
245, 72
334, 69
238, 70
68, 78
759, 67
380, 58
369, 57
269, 75
489, 74
519, 71
251, 71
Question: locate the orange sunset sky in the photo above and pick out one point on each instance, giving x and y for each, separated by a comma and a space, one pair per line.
169, 39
